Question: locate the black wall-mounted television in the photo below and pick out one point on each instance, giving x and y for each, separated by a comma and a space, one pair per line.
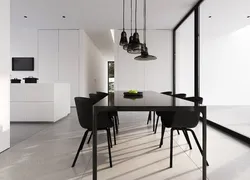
22, 64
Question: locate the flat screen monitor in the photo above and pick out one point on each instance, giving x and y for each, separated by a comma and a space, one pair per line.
22, 64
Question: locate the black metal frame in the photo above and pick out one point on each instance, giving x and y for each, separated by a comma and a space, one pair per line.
196, 11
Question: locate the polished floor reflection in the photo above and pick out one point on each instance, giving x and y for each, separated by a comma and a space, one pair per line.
236, 118
48, 155
22, 131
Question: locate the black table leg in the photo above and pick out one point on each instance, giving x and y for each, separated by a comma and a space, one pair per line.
204, 141
94, 144
154, 121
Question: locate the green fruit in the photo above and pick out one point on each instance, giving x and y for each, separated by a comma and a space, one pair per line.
133, 91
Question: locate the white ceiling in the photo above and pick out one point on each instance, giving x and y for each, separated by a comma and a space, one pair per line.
96, 14
97, 17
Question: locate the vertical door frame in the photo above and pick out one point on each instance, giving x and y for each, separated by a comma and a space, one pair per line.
195, 9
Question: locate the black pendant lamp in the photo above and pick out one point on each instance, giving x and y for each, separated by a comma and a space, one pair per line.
144, 50
135, 46
125, 47
123, 40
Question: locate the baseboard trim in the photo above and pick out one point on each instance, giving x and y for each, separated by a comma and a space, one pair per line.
230, 132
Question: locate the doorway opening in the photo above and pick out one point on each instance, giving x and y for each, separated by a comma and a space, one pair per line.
111, 76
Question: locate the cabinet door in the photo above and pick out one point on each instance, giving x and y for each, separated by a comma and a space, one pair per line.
69, 60
48, 55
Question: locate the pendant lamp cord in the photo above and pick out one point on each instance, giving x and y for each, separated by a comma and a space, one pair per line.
145, 21
123, 15
135, 15
131, 17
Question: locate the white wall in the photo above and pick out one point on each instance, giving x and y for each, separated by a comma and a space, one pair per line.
152, 75
90, 67
4, 74
24, 44
93, 71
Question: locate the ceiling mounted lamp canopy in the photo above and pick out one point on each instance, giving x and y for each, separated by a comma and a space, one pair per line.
144, 50
134, 46
123, 40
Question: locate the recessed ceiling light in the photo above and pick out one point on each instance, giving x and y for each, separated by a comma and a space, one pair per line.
25, 17
63, 17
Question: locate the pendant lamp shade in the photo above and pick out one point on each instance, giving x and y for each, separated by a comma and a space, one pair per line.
135, 46
123, 40
144, 50
144, 55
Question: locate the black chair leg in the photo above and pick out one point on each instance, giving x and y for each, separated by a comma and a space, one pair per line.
149, 117
156, 125
114, 135
171, 148
90, 137
187, 138
80, 147
153, 120
118, 120
197, 142
178, 132
116, 124
110, 140
109, 146
162, 135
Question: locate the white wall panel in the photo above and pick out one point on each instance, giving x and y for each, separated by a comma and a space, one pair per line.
4, 74
69, 60
48, 55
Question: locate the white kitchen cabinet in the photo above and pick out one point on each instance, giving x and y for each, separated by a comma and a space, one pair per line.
58, 53
48, 55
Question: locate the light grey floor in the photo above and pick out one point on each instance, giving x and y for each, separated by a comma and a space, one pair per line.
236, 118
48, 155
22, 131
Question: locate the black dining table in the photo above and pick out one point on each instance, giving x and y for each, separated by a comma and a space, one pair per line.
151, 101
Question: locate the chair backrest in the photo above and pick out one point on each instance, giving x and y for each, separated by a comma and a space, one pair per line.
180, 119
95, 97
198, 100
84, 108
102, 94
167, 92
186, 119
180, 95
84, 111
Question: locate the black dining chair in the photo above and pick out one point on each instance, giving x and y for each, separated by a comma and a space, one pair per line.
184, 121
97, 97
154, 113
198, 100
180, 95
102, 94
167, 92
114, 114
158, 116
84, 112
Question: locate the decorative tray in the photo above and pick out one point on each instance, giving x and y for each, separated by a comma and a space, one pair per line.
133, 95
